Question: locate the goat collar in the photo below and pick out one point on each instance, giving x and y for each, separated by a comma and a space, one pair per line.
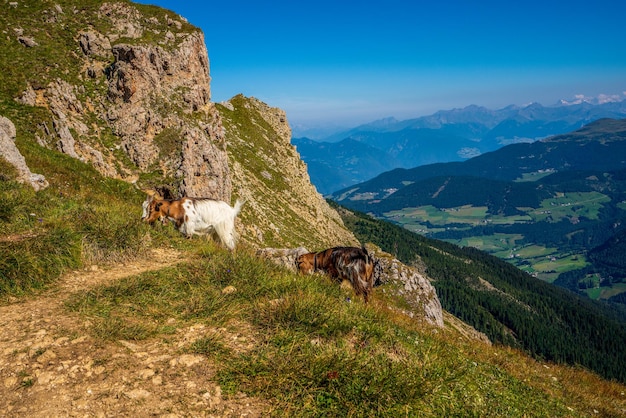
315, 263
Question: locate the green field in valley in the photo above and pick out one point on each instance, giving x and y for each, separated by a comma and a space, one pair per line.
463, 217
543, 262
598, 292
569, 205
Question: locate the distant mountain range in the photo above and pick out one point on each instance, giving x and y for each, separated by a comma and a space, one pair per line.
555, 208
359, 154
600, 145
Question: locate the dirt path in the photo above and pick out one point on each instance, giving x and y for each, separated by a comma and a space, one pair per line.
51, 367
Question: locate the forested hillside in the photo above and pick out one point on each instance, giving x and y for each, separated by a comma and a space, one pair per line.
508, 305
607, 266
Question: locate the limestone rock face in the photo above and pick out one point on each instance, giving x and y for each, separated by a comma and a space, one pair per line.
204, 165
143, 90
94, 43
143, 83
10, 153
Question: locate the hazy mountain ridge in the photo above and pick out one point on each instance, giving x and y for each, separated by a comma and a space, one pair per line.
446, 136
597, 146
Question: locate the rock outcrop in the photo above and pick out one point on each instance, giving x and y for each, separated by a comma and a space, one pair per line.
409, 284
9, 151
142, 83
285, 257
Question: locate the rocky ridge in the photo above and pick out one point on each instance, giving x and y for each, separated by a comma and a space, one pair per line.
269, 174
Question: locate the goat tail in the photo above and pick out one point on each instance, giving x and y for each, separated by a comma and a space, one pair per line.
368, 257
238, 204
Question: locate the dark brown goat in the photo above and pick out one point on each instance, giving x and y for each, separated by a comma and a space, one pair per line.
342, 263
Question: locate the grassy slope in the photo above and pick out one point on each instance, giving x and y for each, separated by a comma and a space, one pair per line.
307, 351
282, 204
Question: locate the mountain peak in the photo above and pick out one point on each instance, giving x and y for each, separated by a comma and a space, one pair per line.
533, 105
381, 123
593, 100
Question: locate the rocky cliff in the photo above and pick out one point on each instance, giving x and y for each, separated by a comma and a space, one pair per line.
134, 97
12, 155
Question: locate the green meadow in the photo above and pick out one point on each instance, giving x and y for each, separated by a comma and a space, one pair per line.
569, 205
429, 219
598, 292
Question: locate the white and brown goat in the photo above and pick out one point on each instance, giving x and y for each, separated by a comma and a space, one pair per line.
342, 263
195, 216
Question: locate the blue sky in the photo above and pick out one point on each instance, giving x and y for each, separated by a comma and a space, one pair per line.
348, 62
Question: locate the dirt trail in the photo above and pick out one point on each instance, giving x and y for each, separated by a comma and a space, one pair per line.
51, 367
